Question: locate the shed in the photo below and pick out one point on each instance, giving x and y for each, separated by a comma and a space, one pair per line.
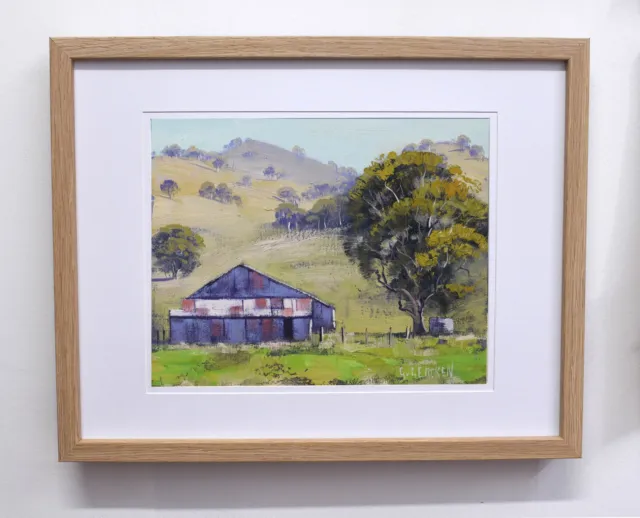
244, 305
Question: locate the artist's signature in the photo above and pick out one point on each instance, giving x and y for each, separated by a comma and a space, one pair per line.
426, 372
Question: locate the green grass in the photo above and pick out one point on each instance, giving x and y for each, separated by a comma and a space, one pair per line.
404, 361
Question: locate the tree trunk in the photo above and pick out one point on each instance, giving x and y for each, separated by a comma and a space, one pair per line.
418, 325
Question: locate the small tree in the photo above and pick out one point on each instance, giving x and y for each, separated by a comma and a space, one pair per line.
476, 151
237, 200
288, 195
193, 152
218, 163
409, 147
176, 249
246, 180
463, 142
207, 190
269, 172
170, 188
425, 145
299, 151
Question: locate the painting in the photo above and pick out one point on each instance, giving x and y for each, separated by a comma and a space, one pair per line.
319, 250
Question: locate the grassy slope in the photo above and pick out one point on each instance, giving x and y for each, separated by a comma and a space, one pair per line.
311, 261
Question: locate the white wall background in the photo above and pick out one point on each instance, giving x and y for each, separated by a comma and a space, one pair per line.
604, 483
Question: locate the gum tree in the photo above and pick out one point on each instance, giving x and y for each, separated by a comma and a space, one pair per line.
416, 224
176, 249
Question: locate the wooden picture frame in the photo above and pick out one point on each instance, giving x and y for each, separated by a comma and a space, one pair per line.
574, 53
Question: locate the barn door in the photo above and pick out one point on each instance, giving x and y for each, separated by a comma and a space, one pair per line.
288, 329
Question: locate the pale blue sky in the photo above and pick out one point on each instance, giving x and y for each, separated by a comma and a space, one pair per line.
352, 142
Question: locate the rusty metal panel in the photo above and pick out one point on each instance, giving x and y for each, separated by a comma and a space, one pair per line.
217, 329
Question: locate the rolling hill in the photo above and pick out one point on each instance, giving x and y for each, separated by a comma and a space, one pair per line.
253, 156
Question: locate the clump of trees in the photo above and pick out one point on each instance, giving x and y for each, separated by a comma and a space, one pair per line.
246, 181
289, 216
315, 191
170, 188
326, 213
345, 180
176, 250
415, 224
271, 174
172, 150
221, 193
233, 144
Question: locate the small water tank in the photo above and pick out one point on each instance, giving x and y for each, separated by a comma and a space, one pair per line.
440, 326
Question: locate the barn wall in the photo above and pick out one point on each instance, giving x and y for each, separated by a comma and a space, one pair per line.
177, 330
235, 330
301, 328
323, 316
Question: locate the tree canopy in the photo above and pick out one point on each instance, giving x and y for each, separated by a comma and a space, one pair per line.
207, 190
173, 150
176, 249
299, 151
416, 224
169, 187
218, 163
288, 195
269, 172
476, 151
425, 145
463, 141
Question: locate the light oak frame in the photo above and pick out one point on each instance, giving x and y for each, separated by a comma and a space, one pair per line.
574, 53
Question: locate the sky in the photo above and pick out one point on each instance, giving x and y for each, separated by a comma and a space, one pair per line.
350, 142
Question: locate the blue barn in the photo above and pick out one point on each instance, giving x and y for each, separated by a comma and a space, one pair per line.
244, 305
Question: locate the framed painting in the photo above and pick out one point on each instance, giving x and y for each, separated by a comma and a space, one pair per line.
319, 249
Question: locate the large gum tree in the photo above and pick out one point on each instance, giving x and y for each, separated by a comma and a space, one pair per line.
416, 226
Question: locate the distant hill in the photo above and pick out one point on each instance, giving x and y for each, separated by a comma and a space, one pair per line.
253, 156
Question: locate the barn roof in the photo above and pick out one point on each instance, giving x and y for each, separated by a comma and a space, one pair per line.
243, 281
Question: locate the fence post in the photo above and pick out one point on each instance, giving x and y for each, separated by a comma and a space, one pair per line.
321, 334
407, 337
164, 335
389, 336
366, 336
157, 336
342, 333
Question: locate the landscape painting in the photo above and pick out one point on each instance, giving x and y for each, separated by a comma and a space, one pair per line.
319, 250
